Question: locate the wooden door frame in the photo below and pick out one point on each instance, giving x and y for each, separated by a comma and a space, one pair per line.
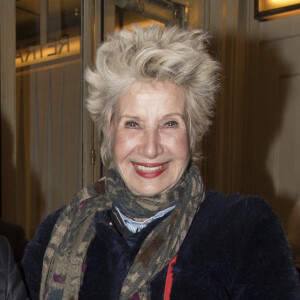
8, 110
94, 30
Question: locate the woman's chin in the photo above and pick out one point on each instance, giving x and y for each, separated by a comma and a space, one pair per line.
148, 192
149, 189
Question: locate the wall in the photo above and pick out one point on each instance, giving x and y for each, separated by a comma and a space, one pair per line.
254, 144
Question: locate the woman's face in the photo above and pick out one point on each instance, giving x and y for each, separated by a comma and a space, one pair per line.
151, 148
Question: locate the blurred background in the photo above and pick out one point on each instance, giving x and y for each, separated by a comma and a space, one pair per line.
49, 147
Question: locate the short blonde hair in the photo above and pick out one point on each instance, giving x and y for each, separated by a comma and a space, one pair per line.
153, 53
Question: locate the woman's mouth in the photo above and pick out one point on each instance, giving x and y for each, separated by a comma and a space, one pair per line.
149, 170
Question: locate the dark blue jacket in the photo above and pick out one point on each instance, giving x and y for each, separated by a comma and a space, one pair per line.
235, 249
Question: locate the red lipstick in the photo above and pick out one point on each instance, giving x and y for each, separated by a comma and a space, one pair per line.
149, 170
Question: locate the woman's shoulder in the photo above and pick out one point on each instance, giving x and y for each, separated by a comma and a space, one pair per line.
32, 261
45, 228
234, 199
239, 235
236, 204
234, 215
42, 236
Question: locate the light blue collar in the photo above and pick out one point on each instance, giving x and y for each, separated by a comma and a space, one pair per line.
136, 226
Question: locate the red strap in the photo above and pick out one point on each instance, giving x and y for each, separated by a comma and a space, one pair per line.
169, 279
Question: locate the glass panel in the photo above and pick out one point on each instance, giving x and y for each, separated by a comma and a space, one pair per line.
49, 107
125, 18
151, 11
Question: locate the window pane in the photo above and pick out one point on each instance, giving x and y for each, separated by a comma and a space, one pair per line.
49, 106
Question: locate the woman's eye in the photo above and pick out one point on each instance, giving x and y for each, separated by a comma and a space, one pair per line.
131, 124
171, 124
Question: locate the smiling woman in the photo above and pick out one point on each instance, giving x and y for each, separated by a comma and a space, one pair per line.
148, 230
151, 148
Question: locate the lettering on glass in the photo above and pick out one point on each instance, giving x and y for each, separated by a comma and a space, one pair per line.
55, 49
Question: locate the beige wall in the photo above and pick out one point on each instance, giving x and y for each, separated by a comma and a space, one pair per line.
254, 145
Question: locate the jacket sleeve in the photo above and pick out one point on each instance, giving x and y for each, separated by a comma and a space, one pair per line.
32, 262
11, 281
266, 269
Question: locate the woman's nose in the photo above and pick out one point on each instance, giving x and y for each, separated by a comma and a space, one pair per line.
151, 146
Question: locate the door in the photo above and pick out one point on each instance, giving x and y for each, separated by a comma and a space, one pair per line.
50, 146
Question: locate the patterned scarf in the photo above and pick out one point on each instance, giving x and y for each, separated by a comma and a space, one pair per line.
64, 259
135, 206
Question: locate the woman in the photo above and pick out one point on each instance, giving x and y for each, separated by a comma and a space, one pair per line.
11, 284
149, 231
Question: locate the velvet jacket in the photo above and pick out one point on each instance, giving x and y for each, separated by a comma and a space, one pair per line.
235, 249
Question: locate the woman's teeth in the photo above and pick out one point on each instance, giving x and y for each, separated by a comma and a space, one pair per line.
148, 169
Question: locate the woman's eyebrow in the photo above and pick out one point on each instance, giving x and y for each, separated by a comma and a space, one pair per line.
129, 117
173, 115
169, 115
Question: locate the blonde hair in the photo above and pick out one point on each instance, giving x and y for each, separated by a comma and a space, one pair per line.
171, 54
